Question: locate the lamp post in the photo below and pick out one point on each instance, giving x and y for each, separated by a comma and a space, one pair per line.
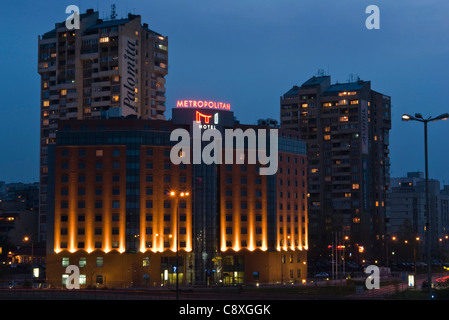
418, 117
176, 195
26, 239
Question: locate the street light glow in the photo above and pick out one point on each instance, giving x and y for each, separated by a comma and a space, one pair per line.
418, 117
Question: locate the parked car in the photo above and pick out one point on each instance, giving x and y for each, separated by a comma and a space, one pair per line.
15, 284
322, 275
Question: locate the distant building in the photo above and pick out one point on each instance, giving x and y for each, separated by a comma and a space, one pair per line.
406, 213
27, 193
106, 68
346, 127
2, 190
18, 228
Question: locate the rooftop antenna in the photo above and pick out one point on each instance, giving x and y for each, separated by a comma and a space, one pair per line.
351, 78
113, 13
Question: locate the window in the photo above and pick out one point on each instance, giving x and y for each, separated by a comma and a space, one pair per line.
99, 262
116, 204
65, 261
82, 263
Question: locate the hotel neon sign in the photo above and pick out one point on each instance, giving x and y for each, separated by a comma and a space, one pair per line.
203, 104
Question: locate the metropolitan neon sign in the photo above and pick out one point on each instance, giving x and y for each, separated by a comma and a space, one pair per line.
203, 104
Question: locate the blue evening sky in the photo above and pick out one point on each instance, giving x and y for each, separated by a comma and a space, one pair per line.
249, 53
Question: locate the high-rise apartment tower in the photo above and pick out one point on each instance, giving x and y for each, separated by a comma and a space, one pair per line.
346, 127
106, 68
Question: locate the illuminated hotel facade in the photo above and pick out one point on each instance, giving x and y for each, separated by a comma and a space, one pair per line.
122, 209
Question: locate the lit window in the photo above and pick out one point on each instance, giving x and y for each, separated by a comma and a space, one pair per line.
327, 104
63, 92
356, 186
46, 103
104, 39
82, 262
327, 137
344, 119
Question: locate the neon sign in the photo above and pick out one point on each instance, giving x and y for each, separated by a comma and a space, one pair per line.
207, 125
199, 116
203, 104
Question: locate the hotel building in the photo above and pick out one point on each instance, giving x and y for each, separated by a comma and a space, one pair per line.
123, 211
108, 68
346, 127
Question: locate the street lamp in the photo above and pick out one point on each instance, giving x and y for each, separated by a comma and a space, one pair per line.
178, 195
26, 239
418, 117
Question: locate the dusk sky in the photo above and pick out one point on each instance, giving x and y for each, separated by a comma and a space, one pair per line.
249, 53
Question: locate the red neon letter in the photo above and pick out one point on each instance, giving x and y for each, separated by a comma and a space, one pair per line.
199, 115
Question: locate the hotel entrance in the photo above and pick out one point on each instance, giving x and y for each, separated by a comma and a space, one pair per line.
168, 271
